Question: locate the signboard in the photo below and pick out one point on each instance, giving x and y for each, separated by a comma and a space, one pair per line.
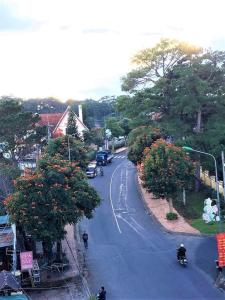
26, 260
6, 237
221, 248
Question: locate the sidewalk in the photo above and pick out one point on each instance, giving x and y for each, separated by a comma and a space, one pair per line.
120, 150
64, 283
159, 208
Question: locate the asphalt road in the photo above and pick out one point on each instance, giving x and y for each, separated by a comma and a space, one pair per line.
131, 255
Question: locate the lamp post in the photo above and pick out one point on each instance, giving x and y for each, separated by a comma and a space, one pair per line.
217, 183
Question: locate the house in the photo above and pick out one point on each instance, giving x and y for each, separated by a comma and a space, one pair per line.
57, 122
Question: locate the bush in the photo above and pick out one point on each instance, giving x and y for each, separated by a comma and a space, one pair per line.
91, 155
92, 298
171, 216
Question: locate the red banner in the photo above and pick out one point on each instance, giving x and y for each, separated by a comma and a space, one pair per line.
221, 248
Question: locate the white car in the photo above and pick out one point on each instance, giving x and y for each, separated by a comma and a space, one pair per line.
91, 170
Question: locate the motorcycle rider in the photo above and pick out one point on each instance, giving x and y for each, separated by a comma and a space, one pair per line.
181, 252
102, 294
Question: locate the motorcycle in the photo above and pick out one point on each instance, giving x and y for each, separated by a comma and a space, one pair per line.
183, 261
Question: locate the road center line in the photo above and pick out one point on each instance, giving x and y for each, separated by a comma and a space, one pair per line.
110, 195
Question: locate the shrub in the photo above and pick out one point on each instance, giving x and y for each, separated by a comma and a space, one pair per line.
92, 298
171, 216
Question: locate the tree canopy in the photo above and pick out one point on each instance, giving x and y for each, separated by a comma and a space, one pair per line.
65, 144
167, 169
14, 123
56, 194
72, 125
180, 89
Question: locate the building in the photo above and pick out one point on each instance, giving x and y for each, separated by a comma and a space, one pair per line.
57, 122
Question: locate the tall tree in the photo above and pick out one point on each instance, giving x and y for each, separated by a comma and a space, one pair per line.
139, 139
167, 169
14, 123
113, 125
155, 63
72, 125
56, 194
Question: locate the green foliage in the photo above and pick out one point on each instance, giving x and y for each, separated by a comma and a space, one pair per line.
78, 150
185, 86
113, 124
14, 123
94, 136
72, 125
139, 139
167, 169
94, 112
9, 169
156, 62
125, 125
193, 208
171, 216
51, 197
92, 297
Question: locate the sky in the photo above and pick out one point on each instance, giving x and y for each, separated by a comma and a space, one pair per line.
80, 49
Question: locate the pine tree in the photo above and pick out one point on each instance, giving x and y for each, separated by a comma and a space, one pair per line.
72, 125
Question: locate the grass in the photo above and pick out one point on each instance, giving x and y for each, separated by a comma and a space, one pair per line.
193, 209
209, 228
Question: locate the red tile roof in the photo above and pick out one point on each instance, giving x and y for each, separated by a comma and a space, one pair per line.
51, 119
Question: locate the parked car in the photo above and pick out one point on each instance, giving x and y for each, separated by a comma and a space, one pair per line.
91, 170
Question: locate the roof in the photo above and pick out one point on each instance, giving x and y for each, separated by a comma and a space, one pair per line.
55, 119
4, 219
14, 297
8, 280
51, 119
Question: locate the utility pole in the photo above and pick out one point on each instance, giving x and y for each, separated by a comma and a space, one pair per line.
223, 167
69, 147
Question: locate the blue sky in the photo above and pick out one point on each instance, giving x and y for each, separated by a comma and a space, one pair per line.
78, 49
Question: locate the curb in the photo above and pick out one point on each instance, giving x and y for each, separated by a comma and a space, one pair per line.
120, 150
160, 224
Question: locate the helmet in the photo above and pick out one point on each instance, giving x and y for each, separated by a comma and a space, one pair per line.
181, 245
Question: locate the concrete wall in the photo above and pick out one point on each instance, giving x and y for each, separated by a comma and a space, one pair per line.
211, 181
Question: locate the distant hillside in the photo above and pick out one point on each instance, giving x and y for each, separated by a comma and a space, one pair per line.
45, 105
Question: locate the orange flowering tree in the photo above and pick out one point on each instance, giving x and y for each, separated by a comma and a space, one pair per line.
167, 169
49, 198
139, 139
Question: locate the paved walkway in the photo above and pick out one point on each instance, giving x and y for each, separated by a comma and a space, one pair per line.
159, 208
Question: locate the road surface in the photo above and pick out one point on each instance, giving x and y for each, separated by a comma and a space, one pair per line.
129, 253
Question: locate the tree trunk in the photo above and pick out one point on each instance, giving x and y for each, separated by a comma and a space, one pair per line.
199, 121
197, 177
170, 205
47, 249
58, 251
198, 130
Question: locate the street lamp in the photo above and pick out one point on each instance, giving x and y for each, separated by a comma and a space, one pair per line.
216, 175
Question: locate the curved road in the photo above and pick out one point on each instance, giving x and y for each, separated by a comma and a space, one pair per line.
132, 256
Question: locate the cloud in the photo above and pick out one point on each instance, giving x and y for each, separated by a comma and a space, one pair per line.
99, 31
9, 21
81, 48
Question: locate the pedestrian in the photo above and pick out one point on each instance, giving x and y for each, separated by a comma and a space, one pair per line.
85, 239
101, 294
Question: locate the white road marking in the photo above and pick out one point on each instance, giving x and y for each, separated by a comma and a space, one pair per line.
131, 225
110, 195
